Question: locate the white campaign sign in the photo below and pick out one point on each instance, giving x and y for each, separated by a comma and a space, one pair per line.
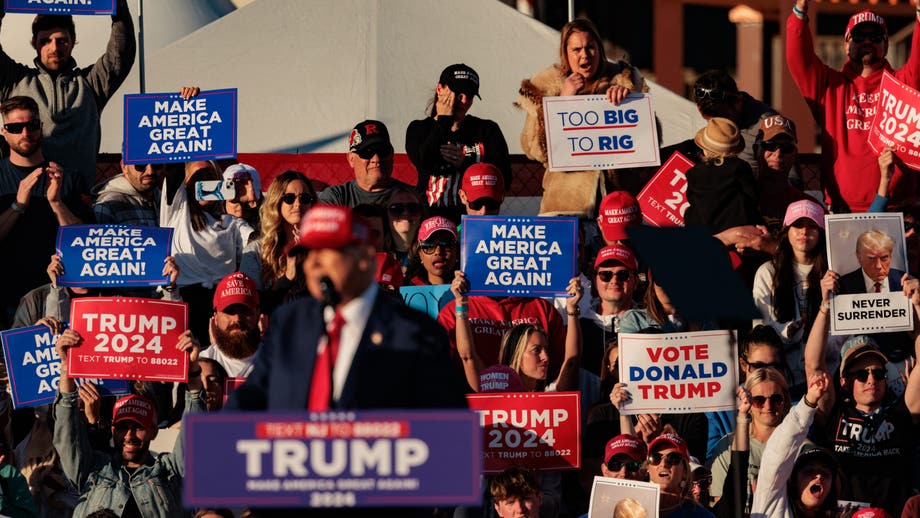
586, 132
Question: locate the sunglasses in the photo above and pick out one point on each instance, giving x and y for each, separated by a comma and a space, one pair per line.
762, 365
429, 247
370, 151
863, 375
140, 168
671, 459
775, 400
411, 208
716, 94
17, 127
305, 198
621, 275
631, 466
783, 147
874, 38
488, 203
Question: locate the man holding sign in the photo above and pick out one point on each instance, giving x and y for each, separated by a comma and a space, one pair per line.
72, 98
153, 485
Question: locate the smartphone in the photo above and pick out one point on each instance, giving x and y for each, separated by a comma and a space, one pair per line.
215, 190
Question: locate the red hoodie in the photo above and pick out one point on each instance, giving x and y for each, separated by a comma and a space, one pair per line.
843, 104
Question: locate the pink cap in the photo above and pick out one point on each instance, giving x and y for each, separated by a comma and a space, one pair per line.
483, 181
434, 224
618, 210
619, 253
500, 378
330, 226
135, 408
669, 440
388, 270
866, 16
625, 444
804, 209
236, 288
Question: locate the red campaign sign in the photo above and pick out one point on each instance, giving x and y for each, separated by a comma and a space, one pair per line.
128, 338
663, 200
897, 121
539, 430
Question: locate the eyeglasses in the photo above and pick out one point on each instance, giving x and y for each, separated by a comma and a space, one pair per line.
429, 247
304, 197
488, 203
762, 365
716, 94
874, 38
703, 483
140, 168
380, 150
863, 375
783, 147
17, 127
411, 208
671, 459
631, 466
621, 275
775, 400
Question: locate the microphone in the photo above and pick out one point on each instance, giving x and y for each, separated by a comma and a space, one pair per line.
331, 297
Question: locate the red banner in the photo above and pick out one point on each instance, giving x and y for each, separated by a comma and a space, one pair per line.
128, 338
897, 121
663, 200
539, 430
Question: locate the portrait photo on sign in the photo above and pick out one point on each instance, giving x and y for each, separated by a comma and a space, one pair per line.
618, 498
868, 252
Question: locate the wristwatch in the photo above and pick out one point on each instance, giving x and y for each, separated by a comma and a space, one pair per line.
18, 208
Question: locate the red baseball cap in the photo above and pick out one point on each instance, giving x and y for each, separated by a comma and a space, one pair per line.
871, 512
135, 408
618, 210
434, 224
669, 440
330, 226
388, 270
236, 288
483, 181
861, 17
625, 444
618, 253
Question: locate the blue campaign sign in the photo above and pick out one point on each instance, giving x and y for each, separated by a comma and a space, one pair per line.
34, 367
96, 256
161, 128
531, 257
427, 299
60, 6
341, 459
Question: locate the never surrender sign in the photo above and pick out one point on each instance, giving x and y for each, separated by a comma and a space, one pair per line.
353, 459
60, 6
34, 367
534, 257
128, 338
162, 128
96, 256
897, 121
663, 200
678, 372
539, 430
587, 132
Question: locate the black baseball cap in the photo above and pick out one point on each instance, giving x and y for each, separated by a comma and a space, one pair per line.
369, 134
461, 78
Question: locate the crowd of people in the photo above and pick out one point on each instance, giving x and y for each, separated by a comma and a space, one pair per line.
293, 294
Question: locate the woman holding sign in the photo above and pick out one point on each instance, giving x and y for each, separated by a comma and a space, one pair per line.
583, 69
524, 347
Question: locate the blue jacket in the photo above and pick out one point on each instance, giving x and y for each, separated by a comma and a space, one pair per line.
100, 477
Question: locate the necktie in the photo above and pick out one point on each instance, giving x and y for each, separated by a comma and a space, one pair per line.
321, 385
878, 287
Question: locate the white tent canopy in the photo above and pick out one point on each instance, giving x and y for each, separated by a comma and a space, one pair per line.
308, 70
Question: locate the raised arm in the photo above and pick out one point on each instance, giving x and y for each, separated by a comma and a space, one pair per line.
912, 390
816, 346
571, 363
111, 69
466, 348
71, 439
